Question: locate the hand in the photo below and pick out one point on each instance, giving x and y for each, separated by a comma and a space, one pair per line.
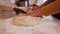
35, 12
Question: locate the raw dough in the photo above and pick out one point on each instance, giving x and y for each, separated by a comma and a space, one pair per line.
26, 20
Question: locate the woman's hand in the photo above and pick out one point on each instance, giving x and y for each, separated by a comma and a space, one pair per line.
35, 12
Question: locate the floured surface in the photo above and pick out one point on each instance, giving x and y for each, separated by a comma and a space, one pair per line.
3, 29
46, 27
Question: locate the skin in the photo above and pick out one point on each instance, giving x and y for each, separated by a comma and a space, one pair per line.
36, 9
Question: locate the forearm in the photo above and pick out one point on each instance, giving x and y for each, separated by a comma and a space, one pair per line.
46, 3
52, 8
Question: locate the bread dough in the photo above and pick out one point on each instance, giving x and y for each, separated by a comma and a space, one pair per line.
26, 20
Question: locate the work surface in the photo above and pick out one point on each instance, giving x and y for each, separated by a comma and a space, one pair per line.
47, 25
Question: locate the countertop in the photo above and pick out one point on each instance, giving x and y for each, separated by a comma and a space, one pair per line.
48, 25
